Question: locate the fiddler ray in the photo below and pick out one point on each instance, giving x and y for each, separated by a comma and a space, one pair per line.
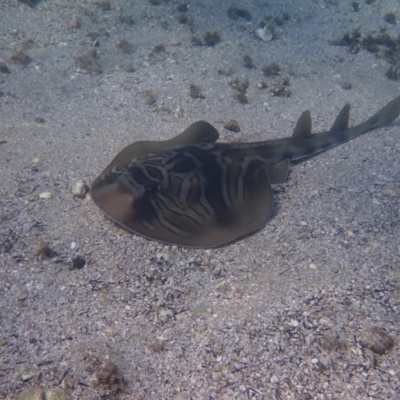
191, 191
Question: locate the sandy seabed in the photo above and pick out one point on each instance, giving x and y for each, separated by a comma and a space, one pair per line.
306, 308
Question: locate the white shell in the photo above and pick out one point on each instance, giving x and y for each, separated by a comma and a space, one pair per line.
45, 195
266, 34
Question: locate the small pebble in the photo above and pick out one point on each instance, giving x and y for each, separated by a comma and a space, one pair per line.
31, 393
201, 309
26, 373
167, 256
79, 189
165, 314
3, 68
290, 325
22, 295
75, 23
274, 379
58, 394
45, 195
377, 340
39, 120
45, 251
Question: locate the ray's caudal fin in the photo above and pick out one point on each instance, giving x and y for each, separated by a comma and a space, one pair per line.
192, 191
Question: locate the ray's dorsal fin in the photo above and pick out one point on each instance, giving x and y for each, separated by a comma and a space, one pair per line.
303, 126
197, 133
341, 122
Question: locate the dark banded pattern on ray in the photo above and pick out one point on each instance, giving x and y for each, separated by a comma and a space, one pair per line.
194, 192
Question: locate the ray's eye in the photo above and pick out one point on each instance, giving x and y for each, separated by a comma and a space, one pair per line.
152, 188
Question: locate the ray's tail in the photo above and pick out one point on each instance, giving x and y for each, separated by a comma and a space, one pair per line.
383, 117
303, 143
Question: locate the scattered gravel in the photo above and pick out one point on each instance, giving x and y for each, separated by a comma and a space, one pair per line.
306, 308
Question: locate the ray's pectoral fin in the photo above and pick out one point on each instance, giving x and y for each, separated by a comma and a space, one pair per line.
116, 202
204, 221
278, 173
248, 212
253, 212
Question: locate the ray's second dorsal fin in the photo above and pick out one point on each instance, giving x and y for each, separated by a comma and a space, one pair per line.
341, 122
303, 127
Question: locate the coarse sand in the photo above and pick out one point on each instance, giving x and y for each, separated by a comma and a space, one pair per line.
306, 308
